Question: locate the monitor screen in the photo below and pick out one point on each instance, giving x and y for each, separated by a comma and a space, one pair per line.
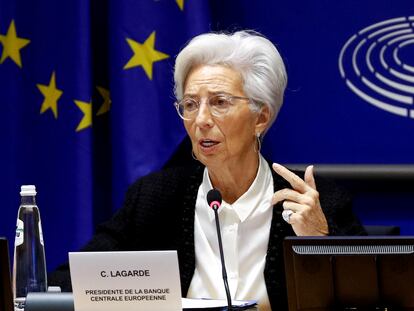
350, 273
6, 299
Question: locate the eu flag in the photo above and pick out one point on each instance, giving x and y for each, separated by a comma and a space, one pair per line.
87, 105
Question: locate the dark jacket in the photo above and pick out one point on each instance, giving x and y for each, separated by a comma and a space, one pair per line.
158, 214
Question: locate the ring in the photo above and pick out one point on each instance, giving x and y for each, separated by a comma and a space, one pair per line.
286, 215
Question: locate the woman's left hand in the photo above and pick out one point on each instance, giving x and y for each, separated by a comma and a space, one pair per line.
303, 200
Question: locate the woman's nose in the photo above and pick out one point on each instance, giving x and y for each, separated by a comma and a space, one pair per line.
204, 117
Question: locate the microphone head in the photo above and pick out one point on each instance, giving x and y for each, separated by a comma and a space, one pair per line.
214, 198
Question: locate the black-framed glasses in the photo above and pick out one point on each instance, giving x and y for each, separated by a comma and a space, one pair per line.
219, 105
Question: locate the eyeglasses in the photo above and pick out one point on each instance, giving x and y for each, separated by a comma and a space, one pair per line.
219, 105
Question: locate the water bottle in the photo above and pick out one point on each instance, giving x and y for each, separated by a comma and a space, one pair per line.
29, 265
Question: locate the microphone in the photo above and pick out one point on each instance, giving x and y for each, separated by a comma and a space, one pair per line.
214, 201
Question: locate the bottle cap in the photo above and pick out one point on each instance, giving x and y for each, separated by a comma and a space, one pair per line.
28, 190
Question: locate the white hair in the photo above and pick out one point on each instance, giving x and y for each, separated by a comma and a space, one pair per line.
255, 57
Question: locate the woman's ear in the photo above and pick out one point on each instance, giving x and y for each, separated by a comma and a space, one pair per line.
263, 119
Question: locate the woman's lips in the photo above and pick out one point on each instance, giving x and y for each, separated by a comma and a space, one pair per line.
208, 146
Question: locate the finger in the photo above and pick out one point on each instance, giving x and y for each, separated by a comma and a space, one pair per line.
295, 181
293, 206
309, 178
288, 194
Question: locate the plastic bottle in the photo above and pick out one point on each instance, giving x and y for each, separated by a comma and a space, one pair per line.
29, 265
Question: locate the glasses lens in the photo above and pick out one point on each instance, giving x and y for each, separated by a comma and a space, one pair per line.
187, 108
219, 104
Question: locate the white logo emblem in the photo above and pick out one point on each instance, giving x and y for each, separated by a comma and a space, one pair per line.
377, 64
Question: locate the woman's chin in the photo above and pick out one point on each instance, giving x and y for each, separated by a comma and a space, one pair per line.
210, 159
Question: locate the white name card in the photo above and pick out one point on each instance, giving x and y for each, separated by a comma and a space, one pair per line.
127, 281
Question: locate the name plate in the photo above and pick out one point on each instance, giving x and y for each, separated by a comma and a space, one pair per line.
127, 281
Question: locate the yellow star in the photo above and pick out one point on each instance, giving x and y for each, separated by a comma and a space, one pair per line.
180, 4
86, 121
12, 45
144, 54
107, 100
51, 94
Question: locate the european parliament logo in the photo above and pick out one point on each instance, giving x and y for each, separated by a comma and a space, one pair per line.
377, 64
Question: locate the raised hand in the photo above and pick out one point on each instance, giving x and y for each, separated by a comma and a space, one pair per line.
307, 218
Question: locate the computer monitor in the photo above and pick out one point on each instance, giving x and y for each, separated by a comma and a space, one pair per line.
349, 273
6, 297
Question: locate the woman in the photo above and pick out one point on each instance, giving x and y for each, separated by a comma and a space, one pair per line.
229, 89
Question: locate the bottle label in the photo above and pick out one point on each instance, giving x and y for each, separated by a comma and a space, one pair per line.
19, 233
19, 303
41, 233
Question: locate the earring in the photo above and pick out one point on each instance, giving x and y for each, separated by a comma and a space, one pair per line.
193, 155
259, 143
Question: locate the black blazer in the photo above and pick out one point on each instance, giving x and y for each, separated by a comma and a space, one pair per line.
158, 214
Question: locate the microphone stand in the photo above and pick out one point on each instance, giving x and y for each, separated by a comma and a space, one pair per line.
223, 266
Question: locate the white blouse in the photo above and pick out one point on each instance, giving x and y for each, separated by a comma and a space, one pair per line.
245, 228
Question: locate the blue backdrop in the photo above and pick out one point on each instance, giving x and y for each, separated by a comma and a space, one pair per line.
86, 96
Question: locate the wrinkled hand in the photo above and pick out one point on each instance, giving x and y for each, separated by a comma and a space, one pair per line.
308, 217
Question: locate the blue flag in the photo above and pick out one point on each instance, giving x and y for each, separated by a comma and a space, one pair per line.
86, 95
87, 106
